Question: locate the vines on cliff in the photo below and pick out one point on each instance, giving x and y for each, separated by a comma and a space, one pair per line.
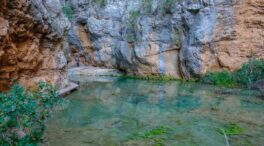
165, 7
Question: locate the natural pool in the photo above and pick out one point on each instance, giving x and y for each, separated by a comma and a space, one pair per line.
129, 112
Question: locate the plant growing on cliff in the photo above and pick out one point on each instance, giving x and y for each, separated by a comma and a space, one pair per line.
23, 114
147, 6
67, 10
247, 75
167, 5
250, 72
131, 36
224, 78
101, 3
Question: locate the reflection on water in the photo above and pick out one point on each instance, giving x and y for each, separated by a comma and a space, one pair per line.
125, 112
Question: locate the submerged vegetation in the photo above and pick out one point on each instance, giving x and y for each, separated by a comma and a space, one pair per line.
155, 135
247, 75
231, 129
23, 114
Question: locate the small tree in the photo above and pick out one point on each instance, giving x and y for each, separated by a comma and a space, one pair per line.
23, 114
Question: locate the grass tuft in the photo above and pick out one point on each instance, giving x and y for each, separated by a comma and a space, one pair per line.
247, 75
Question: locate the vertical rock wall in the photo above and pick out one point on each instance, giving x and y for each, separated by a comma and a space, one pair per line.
179, 38
32, 40
184, 38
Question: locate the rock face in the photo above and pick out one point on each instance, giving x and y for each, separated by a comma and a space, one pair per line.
177, 38
32, 40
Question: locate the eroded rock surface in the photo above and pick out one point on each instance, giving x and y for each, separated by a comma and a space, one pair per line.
32, 40
182, 39
179, 38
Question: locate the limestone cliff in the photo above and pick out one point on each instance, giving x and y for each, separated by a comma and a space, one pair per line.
32, 39
181, 38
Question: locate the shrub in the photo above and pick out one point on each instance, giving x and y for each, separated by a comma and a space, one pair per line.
250, 72
147, 6
133, 26
23, 114
220, 78
101, 3
247, 75
167, 6
67, 10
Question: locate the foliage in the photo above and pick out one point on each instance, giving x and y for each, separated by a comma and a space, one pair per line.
231, 129
220, 78
147, 6
250, 72
154, 132
167, 6
23, 114
146, 9
154, 135
101, 3
247, 75
67, 10
133, 26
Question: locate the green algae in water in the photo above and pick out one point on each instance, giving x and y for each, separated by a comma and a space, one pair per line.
151, 113
231, 129
161, 130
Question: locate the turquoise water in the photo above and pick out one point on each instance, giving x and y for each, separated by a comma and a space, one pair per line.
127, 112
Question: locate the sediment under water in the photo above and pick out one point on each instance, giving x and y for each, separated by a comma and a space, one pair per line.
128, 112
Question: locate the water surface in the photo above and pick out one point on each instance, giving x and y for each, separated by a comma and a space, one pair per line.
128, 112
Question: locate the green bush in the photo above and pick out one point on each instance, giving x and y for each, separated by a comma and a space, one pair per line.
250, 72
247, 75
147, 6
101, 3
133, 26
220, 78
67, 10
23, 114
168, 5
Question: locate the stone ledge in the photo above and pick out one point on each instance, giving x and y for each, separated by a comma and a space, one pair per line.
68, 89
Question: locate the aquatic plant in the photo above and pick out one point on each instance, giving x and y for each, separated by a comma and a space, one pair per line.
160, 130
23, 113
231, 129
154, 135
159, 142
